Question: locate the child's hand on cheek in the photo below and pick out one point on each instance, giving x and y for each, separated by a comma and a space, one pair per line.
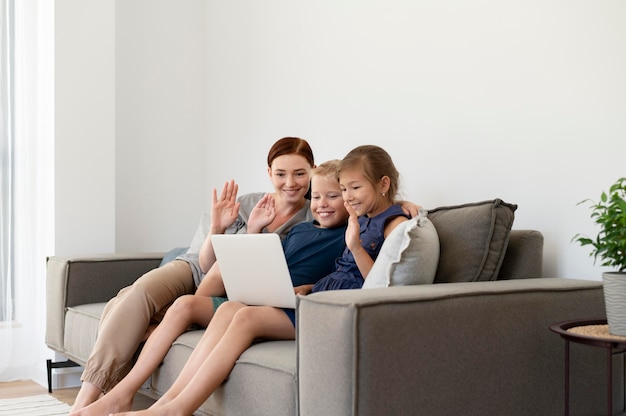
353, 231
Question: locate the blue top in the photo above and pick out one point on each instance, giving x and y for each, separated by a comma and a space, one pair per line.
347, 275
311, 251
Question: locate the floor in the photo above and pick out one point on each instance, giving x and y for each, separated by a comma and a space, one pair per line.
14, 389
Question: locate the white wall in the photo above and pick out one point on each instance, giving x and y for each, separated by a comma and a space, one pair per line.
161, 122
84, 126
525, 101
130, 124
158, 102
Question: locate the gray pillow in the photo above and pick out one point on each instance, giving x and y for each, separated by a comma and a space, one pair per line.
201, 232
172, 254
409, 255
473, 239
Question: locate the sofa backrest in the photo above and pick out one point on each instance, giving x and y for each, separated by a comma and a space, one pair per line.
524, 256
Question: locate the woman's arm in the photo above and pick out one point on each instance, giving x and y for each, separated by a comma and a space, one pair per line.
224, 211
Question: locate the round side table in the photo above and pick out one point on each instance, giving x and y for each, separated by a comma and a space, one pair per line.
593, 332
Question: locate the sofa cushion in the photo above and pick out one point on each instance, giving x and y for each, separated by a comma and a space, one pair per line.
81, 328
409, 256
263, 382
473, 239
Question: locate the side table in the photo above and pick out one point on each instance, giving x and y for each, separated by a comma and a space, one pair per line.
593, 332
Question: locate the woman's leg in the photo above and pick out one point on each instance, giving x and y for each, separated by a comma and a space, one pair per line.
186, 310
197, 382
124, 323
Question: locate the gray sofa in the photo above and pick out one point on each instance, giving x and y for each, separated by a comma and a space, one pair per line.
457, 347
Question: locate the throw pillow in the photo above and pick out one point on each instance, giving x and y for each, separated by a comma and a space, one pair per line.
473, 239
201, 232
172, 254
409, 255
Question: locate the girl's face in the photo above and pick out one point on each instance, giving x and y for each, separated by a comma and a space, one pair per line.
364, 197
326, 202
290, 175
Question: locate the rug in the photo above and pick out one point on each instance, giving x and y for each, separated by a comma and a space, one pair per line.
42, 405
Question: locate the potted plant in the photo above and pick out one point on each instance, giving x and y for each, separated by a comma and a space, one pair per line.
609, 246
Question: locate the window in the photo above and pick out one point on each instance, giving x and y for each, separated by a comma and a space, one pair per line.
26, 181
6, 160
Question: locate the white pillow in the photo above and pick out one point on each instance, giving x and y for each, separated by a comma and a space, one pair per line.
409, 255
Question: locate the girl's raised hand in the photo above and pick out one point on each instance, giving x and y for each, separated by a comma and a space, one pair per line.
262, 214
353, 231
225, 208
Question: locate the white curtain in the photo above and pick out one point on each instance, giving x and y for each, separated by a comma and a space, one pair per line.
28, 197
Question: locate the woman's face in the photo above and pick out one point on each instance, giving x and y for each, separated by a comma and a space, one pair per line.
290, 175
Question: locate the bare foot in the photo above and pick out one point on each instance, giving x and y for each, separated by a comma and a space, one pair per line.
161, 407
151, 411
107, 404
87, 394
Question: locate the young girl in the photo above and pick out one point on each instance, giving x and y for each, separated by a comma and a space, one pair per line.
368, 182
310, 249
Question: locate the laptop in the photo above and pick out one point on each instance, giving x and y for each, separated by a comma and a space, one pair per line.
254, 269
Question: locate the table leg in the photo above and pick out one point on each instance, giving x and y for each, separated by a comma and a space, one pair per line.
609, 372
566, 377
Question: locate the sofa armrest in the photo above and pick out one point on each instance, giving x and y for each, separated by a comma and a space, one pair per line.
79, 280
460, 348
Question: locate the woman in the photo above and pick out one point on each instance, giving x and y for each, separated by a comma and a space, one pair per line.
311, 249
129, 317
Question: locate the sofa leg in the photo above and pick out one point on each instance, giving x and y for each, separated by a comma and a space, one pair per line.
62, 364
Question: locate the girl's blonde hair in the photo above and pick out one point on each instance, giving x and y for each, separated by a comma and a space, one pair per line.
375, 163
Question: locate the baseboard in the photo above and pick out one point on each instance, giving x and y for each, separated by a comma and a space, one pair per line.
65, 378
62, 378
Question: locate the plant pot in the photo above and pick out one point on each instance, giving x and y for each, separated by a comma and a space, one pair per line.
614, 285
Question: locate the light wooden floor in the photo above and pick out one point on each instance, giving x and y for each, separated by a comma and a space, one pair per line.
15, 389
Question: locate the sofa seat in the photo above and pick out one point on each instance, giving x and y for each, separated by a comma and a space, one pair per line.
263, 381
83, 320
243, 393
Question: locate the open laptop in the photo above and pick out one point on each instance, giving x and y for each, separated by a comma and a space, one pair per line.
254, 269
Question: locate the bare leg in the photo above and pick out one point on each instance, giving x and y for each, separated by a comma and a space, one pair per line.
218, 355
185, 311
88, 393
212, 284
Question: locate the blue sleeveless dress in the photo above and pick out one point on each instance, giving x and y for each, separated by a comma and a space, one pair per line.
347, 274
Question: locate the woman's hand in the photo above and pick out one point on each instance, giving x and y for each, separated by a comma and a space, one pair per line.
303, 290
262, 215
224, 209
410, 208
